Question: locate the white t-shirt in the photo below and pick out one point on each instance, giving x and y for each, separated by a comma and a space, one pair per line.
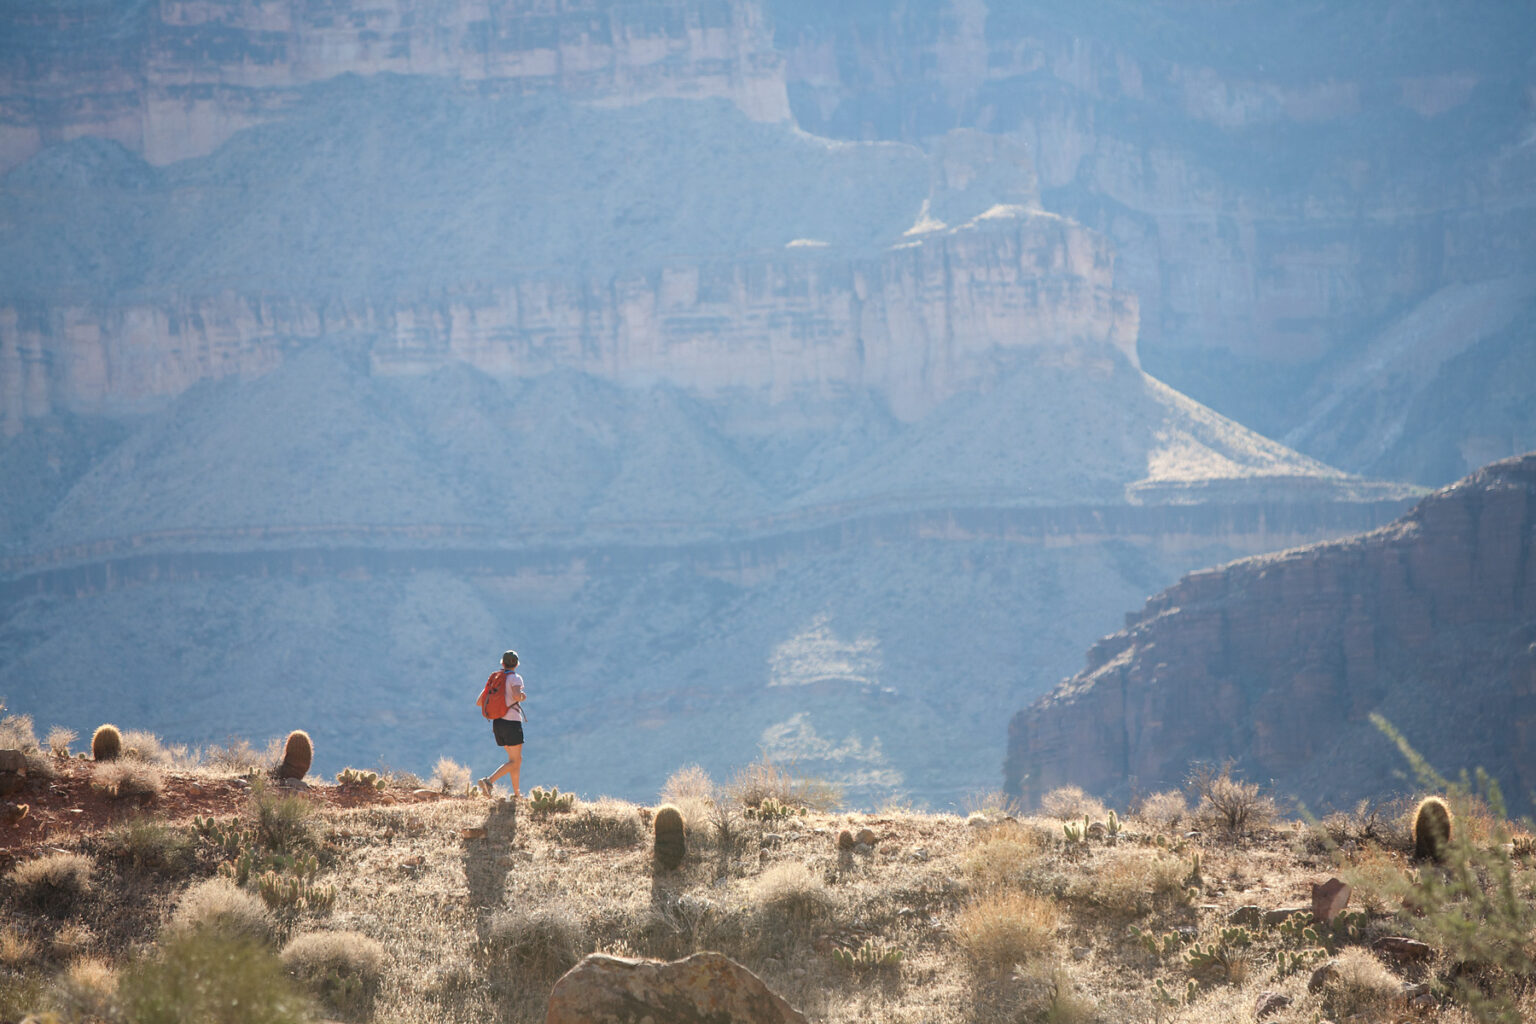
514, 711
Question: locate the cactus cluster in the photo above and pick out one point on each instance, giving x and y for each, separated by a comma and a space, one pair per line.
106, 743
298, 755
771, 810
868, 957
550, 801
358, 777
1431, 829
671, 838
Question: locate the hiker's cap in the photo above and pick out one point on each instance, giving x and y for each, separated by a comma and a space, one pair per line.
509, 660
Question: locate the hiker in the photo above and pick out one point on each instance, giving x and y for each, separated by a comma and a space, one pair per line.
502, 702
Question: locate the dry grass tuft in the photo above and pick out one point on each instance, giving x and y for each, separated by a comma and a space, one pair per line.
1001, 857
217, 907
543, 944
1227, 803
87, 991
1070, 803
141, 745
343, 969
1001, 930
128, 780
448, 776
52, 884
791, 892
1360, 985
1131, 881
16, 948
601, 824
145, 844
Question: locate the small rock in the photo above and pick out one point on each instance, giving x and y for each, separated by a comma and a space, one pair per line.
771, 840
845, 840
918, 853
1402, 948
1282, 914
425, 793
12, 814
1248, 916
1270, 1003
414, 862
1322, 976
560, 855
1081, 952
1097, 830
863, 848
1329, 899
13, 761
299, 784
472, 833
866, 837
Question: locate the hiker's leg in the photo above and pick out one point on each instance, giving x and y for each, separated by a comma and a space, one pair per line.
514, 767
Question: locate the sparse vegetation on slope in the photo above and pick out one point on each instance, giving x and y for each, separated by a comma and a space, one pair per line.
414, 906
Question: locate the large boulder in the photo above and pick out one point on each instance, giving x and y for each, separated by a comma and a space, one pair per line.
706, 988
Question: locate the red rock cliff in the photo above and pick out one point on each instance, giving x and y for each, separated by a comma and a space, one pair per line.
1278, 661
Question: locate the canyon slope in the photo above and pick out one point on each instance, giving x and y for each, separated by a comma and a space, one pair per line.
1277, 663
341, 349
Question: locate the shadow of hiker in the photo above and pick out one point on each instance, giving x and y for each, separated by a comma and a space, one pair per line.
488, 857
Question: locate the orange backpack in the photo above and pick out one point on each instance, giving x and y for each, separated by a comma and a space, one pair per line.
493, 699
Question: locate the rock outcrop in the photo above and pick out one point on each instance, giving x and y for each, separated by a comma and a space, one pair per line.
701, 989
1278, 663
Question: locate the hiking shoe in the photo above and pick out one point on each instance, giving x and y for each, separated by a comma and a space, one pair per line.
485, 786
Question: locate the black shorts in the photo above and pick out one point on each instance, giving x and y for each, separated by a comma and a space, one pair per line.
508, 733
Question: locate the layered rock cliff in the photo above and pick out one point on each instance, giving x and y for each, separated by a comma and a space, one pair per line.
175, 80
1277, 662
1287, 186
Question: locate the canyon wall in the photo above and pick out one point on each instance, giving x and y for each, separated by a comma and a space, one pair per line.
172, 79
1280, 187
1278, 662
916, 325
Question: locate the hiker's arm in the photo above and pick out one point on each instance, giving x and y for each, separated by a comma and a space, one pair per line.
515, 695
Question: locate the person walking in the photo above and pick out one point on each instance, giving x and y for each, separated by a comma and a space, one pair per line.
502, 702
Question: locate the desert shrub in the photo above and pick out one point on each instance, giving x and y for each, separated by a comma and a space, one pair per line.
144, 844
448, 776
142, 745
1050, 995
1359, 984
71, 941
999, 930
690, 782
1131, 881
1227, 803
342, 969
791, 893
1163, 810
240, 758
87, 990
1378, 881
697, 813
283, 821
994, 805
217, 907
128, 780
764, 778
1070, 803
212, 979
543, 944
601, 824
52, 884
59, 739
16, 732
1001, 857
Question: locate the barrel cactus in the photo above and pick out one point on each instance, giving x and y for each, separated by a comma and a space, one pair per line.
106, 743
671, 837
298, 754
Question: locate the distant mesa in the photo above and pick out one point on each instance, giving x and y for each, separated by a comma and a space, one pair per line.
1277, 662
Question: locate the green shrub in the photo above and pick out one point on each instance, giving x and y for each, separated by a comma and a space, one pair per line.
144, 844
342, 969
212, 979
53, 884
282, 821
